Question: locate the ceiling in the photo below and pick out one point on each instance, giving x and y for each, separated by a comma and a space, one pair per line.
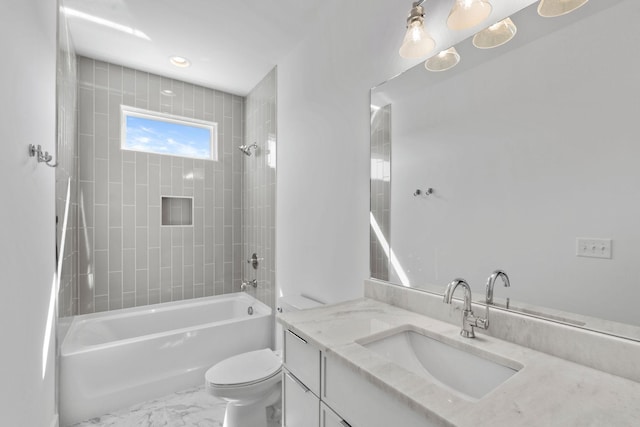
231, 44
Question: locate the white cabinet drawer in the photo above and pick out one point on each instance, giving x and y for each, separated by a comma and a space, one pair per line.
364, 404
328, 418
302, 360
301, 408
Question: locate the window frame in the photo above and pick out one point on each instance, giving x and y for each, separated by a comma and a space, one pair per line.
128, 111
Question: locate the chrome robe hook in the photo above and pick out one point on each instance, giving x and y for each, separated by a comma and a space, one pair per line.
42, 157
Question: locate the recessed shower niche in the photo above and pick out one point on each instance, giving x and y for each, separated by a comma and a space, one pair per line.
177, 211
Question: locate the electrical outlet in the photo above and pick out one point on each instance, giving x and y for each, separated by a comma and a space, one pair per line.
593, 248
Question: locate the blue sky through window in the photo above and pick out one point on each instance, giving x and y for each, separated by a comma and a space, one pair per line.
167, 137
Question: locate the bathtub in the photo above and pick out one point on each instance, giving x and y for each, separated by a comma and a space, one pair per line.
111, 360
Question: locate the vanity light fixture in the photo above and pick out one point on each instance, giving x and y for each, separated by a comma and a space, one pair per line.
468, 13
496, 35
417, 42
443, 61
553, 8
179, 61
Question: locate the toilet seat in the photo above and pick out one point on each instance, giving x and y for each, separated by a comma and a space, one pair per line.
244, 369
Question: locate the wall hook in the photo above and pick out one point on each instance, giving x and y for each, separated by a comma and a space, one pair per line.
420, 192
42, 157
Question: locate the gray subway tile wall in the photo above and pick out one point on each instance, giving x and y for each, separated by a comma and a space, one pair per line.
126, 257
380, 190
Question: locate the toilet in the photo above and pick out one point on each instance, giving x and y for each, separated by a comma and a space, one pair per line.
251, 382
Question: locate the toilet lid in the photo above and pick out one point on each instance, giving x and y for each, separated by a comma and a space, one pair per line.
244, 368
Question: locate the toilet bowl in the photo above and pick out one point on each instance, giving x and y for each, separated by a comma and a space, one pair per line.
251, 382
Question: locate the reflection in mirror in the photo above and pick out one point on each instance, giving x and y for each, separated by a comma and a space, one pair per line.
531, 150
380, 191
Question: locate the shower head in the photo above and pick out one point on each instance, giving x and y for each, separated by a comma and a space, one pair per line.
246, 149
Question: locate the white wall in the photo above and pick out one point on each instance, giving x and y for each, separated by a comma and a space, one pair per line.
323, 146
27, 115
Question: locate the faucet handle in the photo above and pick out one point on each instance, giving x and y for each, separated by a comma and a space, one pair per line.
482, 323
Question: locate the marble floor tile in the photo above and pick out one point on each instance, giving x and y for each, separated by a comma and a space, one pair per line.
189, 408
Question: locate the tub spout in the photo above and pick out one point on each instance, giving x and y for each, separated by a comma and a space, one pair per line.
245, 285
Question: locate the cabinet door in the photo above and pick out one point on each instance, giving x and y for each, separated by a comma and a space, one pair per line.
328, 418
301, 408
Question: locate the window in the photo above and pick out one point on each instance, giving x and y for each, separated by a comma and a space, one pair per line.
152, 132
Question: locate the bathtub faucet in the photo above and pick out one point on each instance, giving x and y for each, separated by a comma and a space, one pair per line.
245, 285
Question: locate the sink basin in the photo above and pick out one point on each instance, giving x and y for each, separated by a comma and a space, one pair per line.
469, 374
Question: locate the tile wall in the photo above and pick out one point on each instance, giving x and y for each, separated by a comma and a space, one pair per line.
380, 190
66, 171
260, 188
126, 258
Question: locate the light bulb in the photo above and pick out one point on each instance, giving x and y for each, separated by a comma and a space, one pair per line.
496, 35
468, 13
417, 42
443, 61
553, 8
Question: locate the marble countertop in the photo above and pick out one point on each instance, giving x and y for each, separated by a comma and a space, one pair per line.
547, 391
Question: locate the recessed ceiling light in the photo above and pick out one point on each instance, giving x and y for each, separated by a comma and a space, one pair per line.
167, 92
180, 61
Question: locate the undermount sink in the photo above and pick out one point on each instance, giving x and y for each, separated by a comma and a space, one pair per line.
470, 375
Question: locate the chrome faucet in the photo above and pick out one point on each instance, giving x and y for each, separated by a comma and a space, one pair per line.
245, 285
469, 321
490, 283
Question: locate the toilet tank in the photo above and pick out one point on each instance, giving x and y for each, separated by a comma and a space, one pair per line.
296, 302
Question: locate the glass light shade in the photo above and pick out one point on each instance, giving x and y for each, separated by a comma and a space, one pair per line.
553, 8
496, 35
468, 13
417, 43
443, 61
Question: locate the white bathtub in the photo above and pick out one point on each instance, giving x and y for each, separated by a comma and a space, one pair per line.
112, 360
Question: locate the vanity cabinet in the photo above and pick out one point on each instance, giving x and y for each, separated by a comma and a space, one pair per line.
301, 408
328, 418
352, 396
320, 390
302, 360
301, 382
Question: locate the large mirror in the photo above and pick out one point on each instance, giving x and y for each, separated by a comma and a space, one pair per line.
532, 151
